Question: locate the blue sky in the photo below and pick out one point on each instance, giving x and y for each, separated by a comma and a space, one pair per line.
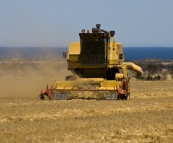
56, 23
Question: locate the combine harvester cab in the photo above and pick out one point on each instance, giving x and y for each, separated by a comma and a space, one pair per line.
98, 67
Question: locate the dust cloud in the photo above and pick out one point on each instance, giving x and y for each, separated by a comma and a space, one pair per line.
26, 78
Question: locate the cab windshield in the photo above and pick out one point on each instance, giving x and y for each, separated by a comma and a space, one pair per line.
94, 51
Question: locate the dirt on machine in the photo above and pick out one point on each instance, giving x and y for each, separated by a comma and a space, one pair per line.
98, 69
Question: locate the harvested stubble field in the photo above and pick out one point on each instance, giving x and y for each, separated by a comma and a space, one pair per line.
146, 117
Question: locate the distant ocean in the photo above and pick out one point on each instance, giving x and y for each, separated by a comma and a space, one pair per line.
131, 53
140, 53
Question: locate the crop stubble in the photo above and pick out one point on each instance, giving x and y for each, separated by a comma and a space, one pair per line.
146, 117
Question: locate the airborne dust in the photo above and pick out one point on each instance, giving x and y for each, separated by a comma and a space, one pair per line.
24, 78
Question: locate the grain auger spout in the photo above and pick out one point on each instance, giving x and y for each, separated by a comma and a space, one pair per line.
98, 63
134, 67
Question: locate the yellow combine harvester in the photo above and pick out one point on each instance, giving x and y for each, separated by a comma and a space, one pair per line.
98, 67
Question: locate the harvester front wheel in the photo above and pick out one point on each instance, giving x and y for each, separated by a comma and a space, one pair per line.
126, 96
41, 97
70, 78
122, 97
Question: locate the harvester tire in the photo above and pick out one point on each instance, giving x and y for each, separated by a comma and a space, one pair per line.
41, 97
122, 97
126, 96
70, 78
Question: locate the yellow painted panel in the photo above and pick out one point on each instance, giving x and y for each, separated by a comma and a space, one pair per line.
74, 48
73, 58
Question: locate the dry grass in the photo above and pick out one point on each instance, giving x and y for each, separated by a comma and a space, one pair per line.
146, 117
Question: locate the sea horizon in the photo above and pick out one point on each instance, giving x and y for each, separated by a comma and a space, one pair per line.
130, 53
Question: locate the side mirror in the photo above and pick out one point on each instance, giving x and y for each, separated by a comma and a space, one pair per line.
120, 56
64, 54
